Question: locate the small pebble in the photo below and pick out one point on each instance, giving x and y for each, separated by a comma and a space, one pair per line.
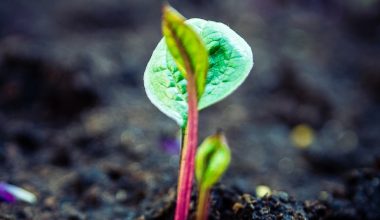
262, 190
284, 197
121, 196
237, 206
50, 202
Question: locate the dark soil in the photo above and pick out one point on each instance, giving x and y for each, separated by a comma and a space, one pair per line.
77, 129
232, 204
358, 199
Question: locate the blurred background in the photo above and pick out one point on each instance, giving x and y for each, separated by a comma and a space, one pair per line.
77, 129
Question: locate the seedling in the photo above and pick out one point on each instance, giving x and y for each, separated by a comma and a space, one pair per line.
195, 65
212, 160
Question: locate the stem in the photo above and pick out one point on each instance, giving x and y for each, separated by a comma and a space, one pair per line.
202, 209
190, 139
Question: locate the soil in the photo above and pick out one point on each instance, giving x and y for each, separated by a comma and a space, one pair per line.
358, 199
77, 129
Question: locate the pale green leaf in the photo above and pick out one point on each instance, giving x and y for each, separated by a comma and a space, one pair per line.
230, 61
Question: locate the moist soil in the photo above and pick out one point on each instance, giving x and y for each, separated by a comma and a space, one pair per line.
77, 129
358, 199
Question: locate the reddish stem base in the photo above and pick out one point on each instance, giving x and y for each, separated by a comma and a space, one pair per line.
189, 146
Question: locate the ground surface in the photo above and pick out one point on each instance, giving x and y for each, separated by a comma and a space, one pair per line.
77, 129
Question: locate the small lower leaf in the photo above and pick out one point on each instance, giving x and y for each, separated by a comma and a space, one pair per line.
212, 160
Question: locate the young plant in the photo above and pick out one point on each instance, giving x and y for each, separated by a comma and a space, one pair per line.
195, 65
212, 160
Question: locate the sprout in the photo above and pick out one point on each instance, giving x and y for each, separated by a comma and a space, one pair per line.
212, 160
195, 65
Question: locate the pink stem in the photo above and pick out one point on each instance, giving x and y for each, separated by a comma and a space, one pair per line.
186, 171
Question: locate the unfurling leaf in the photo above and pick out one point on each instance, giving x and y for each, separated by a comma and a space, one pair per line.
186, 47
212, 160
230, 61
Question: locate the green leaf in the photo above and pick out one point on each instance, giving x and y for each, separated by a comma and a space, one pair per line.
212, 160
186, 47
230, 61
